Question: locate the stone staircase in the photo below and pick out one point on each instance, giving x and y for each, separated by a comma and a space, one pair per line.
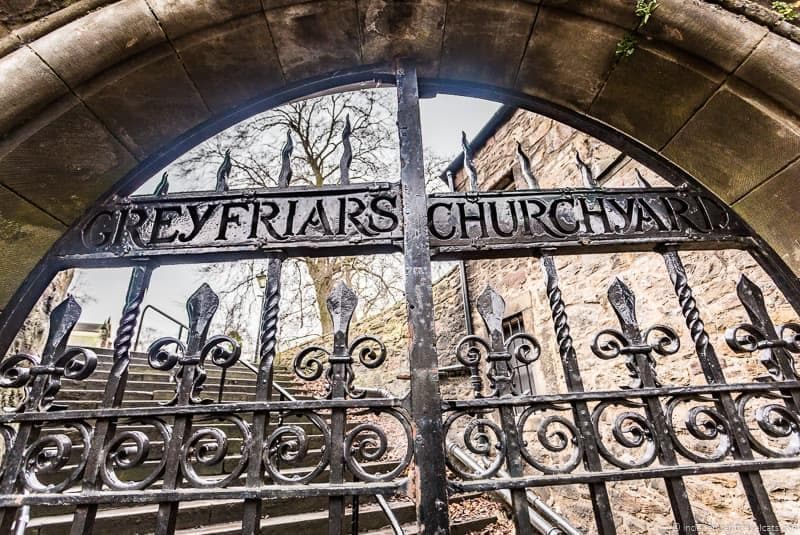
146, 387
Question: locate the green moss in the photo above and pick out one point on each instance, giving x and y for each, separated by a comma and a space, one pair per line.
786, 10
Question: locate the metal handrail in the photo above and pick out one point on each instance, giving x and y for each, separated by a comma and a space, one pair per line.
370, 392
543, 518
180, 324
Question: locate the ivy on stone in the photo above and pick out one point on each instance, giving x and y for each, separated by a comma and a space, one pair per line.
644, 10
786, 10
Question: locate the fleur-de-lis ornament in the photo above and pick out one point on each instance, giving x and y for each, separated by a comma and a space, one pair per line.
774, 343
42, 377
339, 375
192, 356
497, 350
636, 346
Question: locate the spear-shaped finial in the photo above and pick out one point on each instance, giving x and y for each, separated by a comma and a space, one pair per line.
469, 165
63, 319
624, 304
586, 173
491, 307
286, 162
341, 303
347, 153
641, 181
200, 308
525, 168
163, 185
224, 172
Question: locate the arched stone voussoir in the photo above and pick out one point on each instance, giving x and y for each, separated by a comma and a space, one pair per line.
568, 58
485, 41
26, 233
146, 101
736, 141
87, 46
773, 210
653, 93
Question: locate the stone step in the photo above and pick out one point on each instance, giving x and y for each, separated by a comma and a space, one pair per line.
122, 520
314, 523
70, 394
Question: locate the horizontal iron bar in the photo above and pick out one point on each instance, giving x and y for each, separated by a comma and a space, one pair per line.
202, 410
192, 494
450, 405
484, 485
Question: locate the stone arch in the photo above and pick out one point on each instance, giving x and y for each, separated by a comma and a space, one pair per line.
95, 94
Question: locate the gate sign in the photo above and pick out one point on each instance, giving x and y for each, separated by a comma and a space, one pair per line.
568, 219
297, 219
368, 218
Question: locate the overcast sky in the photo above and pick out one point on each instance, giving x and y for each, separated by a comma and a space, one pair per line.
102, 291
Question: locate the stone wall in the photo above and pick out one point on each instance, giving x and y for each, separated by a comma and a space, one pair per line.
719, 500
640, 506
32, 336
391, 327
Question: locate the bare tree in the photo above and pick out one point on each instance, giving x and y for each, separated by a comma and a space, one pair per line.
316, 126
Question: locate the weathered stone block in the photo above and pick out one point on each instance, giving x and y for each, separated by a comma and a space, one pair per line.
653, 92
616, 12
28, 86
568, 58
26, 233
774, 67
705, 30
182, 17
216, 58
410, 28
101, 39
484, 41
736, 141
131, 101
773, 210
66, 164
316, 37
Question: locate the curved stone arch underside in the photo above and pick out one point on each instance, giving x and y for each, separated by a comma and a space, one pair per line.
101, 93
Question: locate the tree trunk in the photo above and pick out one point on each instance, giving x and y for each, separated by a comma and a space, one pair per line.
321, 271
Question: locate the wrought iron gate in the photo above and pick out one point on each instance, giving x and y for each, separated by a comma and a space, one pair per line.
74, 457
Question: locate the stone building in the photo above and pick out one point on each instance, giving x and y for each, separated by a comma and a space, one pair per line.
719, 500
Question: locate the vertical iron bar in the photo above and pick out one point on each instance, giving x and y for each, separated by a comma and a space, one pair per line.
354, 514
429, 448
83, 520
341, 305
601, 504
201, 307
268, 342
623, 303
603, 515
753, 485
222, 379
267, 351
491, 308
62, 319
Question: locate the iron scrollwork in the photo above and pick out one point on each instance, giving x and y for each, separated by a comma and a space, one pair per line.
367, 441
308, 364
57, 361
166, 353
611, 343
774, 343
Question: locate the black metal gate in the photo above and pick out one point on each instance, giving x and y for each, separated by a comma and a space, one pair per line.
73, 457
